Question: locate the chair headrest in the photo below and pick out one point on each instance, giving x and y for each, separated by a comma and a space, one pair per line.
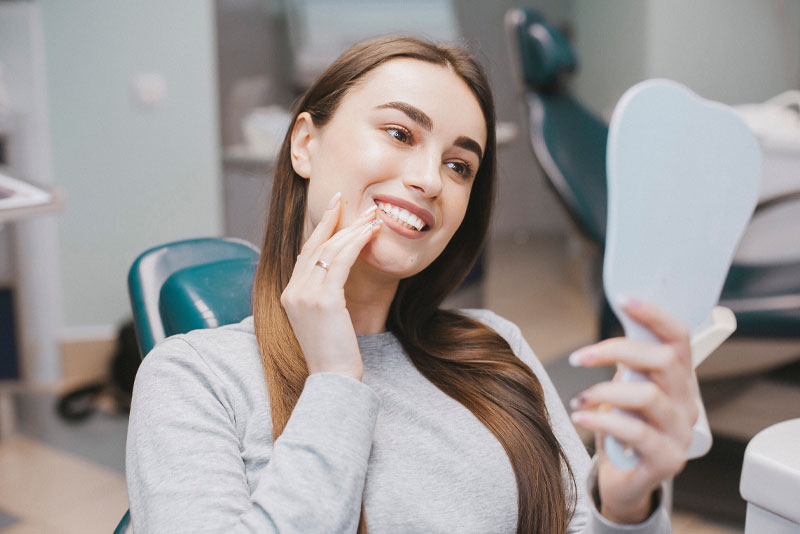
544, 51
207, 295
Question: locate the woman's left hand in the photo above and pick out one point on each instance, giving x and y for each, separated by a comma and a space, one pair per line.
665, 411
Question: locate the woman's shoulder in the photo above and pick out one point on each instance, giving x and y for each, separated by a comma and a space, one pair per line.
225, 354
499, 324
510, 332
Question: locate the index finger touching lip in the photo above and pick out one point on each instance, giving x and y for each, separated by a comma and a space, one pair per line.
662, 324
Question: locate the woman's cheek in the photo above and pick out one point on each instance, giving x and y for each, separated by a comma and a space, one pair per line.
376, 161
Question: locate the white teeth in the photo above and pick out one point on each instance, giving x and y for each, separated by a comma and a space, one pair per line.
401, 215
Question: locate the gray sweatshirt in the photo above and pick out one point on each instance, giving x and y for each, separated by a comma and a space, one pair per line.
201, 458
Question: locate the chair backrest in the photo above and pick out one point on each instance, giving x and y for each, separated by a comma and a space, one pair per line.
176, 271
569, 141
207, 295
543, 52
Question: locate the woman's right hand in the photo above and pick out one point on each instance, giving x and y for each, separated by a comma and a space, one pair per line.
314, 297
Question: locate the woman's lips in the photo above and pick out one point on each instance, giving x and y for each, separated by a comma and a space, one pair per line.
424, 215
404, 231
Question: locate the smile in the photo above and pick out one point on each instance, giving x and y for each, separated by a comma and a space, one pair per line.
404, 217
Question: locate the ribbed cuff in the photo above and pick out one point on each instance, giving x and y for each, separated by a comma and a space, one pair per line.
339, 407
657, 522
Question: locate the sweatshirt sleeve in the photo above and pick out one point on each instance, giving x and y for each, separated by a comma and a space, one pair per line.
185, 471
587, 519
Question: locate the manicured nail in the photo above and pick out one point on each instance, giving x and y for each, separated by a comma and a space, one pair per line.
580, 357
370, 226
577, 402
635, 304
334, 200
580, 418
369, 211
628, 303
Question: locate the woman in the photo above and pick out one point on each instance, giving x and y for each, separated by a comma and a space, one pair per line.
350, 401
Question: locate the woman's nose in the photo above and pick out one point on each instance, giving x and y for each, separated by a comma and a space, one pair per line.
425, 177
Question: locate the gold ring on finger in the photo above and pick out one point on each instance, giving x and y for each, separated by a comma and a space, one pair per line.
323, 264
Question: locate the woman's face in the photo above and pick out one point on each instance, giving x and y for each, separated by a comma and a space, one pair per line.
408, 137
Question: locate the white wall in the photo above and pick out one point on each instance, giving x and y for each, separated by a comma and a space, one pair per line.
134, 178
611, 44
734, 51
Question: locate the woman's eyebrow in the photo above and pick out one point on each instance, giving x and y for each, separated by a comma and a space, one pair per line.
421, 118
414, 113
469, 144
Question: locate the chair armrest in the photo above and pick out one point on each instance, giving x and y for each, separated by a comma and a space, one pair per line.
124, 526
776, 200
717, 328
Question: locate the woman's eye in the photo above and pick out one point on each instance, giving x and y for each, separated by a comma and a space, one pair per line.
401, 134
463, 169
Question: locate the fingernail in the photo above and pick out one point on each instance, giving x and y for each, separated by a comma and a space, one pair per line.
369, 210
370, 226
577, 402
580, 418
580, 357
334, 200
628, 303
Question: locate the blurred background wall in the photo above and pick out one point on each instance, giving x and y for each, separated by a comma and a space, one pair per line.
733, 51
145, 103
136, 174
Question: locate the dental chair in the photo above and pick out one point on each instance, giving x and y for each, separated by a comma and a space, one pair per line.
187, 285
569, 143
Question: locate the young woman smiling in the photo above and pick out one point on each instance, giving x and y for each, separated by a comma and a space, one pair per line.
350, 401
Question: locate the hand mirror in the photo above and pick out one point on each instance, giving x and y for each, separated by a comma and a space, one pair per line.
683, 177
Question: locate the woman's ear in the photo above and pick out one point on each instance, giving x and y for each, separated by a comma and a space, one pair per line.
303, 134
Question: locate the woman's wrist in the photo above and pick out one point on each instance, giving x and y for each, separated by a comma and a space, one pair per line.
356, 374
630, 513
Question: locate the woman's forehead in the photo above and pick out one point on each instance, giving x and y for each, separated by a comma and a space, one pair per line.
434, 89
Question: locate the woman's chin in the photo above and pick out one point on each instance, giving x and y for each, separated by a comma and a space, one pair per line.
389, 260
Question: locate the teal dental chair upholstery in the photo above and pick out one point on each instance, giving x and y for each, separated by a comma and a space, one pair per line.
162, 270
186, 285
569, 143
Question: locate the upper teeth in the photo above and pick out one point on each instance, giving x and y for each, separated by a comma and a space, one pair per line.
401, 215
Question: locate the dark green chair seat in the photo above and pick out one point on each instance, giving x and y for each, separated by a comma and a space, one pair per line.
765, 299
569, 142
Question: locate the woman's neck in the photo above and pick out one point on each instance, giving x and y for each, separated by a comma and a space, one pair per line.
369, 297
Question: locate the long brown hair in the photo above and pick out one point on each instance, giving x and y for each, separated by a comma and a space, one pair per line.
462, 357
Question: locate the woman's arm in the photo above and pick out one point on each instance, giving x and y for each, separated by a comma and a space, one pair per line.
661, 411
185, 467
185, 458
587, 518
